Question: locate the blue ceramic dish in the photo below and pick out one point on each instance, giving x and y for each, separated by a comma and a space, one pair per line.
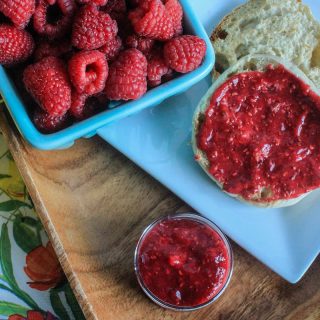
88, 128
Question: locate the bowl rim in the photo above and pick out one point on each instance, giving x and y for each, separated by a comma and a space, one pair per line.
188, 216
86, 128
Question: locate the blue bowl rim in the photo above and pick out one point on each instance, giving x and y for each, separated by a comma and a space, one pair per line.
67, 136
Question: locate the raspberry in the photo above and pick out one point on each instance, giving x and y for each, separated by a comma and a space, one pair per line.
184, 53
112, 49
47, 82
16, 45
164, 78
47, 123
175, 11
83, 107
53, 18
18, 11
96, 2
78, 101
53, 49
151, 20
157, 69
127, 76
88, 71
140, 43
115, 6
92, 28
117, 9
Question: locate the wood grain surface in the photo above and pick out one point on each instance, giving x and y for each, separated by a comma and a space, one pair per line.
94, 204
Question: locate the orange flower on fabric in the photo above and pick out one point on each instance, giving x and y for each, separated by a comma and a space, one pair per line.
43, 268
33, 315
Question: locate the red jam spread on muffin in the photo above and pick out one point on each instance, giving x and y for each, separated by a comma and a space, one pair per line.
183, 262
261, 135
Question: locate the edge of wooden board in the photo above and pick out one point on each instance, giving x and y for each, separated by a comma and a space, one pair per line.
18, 147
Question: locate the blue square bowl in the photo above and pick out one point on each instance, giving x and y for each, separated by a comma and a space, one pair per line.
87, 128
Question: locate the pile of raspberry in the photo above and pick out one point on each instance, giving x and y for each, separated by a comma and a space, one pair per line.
77, 55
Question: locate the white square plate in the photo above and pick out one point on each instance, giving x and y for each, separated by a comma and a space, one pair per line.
287, 240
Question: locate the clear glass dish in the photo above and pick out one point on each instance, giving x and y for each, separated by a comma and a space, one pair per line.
197, 218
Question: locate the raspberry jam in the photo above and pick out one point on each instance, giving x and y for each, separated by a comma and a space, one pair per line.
183, 262
261, 135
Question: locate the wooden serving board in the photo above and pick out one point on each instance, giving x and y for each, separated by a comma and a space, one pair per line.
94, 203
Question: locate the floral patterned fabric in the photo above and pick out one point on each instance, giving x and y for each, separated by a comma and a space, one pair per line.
32, 283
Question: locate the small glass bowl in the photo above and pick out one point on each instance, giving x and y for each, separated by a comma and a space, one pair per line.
197, 218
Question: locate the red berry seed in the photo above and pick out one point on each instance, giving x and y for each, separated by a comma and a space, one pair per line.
184, 53
88, 71
127, 76
92, 28
16, 45
18, 11
48, 83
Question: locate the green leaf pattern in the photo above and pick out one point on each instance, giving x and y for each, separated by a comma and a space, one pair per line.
26, 233
57, 305
9, 308
22, 232
12, 205
7, 269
